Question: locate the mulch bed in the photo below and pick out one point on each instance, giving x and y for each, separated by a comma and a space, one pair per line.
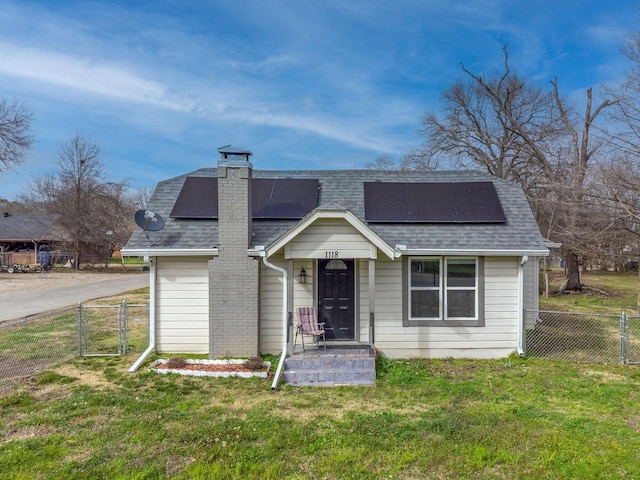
217, 368
207, 367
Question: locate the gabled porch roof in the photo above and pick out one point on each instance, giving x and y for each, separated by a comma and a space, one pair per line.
332, 213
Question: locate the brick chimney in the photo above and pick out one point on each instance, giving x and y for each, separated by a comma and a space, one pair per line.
233, 275
234, 200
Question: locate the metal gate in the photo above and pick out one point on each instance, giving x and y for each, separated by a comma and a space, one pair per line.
632, 340
583, 337
112, 330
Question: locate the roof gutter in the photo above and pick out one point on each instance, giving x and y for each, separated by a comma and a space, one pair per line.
285, 319
403, 250
168, 252
152, 318
520, 344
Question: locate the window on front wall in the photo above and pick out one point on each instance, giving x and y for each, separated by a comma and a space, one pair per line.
443, 291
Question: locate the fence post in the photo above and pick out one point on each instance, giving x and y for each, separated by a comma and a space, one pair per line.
125, 327
79, 329
623, 325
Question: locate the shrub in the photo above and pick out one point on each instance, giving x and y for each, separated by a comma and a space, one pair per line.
176, 363
255, 363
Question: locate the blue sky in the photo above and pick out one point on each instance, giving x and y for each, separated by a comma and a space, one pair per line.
306, 84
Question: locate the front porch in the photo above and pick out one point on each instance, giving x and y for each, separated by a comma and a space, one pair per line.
339, 364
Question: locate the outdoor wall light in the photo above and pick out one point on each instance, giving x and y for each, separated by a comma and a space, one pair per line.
302, 276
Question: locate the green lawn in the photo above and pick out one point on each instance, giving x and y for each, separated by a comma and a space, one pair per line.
426, 419
605, 292
507, 419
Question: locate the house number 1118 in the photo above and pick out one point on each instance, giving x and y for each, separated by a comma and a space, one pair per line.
331, 254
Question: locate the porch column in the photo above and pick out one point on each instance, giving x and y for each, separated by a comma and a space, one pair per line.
290, 299
372, 300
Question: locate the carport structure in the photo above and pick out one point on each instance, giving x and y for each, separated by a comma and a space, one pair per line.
23, 236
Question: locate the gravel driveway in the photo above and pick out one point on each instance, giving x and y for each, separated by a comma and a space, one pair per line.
23, 294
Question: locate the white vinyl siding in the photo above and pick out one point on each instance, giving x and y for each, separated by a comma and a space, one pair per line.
182, 305
271, 297
497, 338
531, 288
182, 309
362, 301
328, 237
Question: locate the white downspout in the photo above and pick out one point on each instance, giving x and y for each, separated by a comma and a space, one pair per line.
285, 317
519, 347
152, 317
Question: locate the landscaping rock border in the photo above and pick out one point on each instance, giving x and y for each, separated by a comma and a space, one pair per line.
218, 372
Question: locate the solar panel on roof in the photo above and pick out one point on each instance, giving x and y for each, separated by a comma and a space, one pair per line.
431, 202
454, 202
386, 202
290, 198
197, 199
477, 202
282, 198
262, 189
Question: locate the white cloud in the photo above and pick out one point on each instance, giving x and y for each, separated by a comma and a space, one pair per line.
98, 78
351, 135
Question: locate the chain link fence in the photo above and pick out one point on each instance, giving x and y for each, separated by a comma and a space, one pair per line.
580, 337
31, 344
38, 342
632, 340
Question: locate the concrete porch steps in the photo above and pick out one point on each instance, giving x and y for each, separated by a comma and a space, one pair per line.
337, 365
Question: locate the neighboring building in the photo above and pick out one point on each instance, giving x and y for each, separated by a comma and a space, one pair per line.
24, 237
419, 264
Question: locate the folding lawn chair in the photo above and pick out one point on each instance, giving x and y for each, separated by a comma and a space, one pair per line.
307, 324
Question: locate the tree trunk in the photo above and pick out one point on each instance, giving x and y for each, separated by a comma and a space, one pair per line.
573, 271
638, 302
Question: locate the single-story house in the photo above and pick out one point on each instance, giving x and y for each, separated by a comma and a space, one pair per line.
419, 264
24, 237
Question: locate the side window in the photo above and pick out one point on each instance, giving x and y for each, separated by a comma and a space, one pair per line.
426, 288
443, 291
461, 291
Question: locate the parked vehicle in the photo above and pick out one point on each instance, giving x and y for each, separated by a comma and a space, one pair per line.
27, 268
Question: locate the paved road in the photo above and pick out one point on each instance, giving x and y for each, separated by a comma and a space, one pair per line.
30, 301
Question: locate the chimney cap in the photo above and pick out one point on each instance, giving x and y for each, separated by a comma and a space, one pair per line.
231, 150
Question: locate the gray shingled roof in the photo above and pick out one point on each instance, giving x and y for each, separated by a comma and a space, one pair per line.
26, 228
345, 188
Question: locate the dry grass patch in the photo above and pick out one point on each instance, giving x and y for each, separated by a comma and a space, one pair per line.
177, 464
634, 424
48, 393
89, 378
606, 377
26, 432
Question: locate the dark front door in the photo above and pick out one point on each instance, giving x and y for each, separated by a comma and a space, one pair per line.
336, 289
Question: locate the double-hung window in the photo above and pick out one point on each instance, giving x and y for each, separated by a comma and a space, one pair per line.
443, 291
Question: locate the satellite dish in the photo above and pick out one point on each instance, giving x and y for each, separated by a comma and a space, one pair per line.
149, 221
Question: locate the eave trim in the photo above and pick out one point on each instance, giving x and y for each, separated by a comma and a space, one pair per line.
169, 252
343, 214
475, 252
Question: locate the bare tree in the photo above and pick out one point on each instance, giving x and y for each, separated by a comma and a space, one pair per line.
140, 197
15, 133
498, 122
626, 135
95, 214
383, 162
514, 130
